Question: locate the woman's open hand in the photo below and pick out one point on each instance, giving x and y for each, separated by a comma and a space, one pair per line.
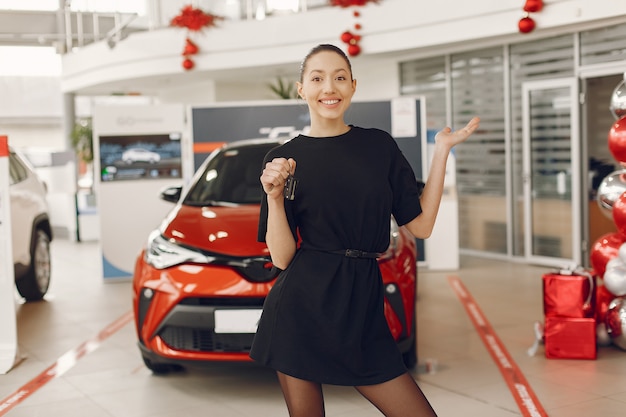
451, 138
275, 174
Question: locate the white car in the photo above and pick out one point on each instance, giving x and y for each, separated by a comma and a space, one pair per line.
30, 228
140, 155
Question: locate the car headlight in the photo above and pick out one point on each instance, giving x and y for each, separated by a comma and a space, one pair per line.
162, 253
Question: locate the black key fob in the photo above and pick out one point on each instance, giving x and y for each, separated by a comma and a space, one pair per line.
290, 188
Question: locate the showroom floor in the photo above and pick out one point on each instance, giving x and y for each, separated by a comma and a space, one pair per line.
79, 356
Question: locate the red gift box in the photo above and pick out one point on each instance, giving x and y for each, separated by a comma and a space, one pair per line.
569, 294
570, 338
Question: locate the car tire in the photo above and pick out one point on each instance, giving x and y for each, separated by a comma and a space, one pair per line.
34, 284
161, 368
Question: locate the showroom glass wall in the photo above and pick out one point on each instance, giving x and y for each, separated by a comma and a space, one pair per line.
490, 169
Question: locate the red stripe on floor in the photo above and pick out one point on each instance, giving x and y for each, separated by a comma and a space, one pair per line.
62, 365
524, 396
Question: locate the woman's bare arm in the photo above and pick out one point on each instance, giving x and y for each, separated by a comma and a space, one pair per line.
422, 226
279, 239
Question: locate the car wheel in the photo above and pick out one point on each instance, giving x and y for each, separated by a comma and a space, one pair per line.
161, 368
34, 285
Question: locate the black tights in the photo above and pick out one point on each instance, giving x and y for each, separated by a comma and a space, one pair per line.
399, 397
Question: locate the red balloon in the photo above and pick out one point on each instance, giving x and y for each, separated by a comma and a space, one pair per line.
617, 140
619, 213
188, 64
604, 249
354, 49
603, 299
526, 24
533, 6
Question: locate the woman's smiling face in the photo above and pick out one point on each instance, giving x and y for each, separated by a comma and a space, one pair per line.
327, 85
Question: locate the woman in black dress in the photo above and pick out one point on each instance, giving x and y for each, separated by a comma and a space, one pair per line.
323, 321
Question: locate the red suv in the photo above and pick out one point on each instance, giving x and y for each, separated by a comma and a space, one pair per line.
200, 282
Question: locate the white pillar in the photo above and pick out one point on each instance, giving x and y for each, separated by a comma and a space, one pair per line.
8, 327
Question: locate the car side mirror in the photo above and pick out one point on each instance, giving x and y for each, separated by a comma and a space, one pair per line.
171, 194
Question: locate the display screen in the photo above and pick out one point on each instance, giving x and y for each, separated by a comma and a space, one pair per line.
139, 157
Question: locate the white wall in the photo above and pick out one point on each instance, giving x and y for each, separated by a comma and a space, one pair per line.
27, 135
30, 111
377, 79
197, 93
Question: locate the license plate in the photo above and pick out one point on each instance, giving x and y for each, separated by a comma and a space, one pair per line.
237, 321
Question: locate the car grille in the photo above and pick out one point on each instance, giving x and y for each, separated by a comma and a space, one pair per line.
203, 340
181, 329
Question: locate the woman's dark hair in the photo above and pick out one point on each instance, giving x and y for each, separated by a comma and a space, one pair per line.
322, 48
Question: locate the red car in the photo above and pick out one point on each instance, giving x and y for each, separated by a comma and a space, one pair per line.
200, 282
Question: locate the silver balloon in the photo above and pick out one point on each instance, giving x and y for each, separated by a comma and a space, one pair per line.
610, 189
615, 278
618, 101
616, 262
621, 253
615, 321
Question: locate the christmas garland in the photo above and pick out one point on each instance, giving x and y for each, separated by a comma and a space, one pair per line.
194, 20
352, 37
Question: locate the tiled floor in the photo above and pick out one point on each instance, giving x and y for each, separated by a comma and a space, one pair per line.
112, 381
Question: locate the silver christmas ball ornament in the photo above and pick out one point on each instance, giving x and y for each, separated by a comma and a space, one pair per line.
615, 321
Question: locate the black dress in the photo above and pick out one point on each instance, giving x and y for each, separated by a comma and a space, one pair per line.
323, 320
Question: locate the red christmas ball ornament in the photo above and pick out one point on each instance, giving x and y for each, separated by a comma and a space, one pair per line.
617, 140
533, 6
526, 24
354, 49
605, 248
188, 64
347, 36
190, 47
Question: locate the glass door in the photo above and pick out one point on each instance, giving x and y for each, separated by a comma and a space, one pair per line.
552, 169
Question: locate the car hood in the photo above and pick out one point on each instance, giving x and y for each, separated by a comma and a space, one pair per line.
224, 230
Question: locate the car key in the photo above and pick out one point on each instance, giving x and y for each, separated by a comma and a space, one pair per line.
290, 187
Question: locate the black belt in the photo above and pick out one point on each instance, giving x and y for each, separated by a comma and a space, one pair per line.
354, 253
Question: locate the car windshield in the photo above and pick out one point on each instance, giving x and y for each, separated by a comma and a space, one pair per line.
231, 177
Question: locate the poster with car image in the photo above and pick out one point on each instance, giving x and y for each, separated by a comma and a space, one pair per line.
138, 151
134, 157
